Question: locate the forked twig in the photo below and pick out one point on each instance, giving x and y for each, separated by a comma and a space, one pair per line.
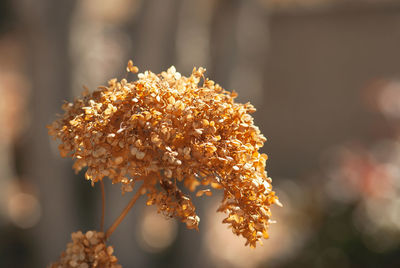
103, 205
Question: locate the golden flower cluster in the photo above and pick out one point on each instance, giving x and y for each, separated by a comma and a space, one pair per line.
167, 130
86, 251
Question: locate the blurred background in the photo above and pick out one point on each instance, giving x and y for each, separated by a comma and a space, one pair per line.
323, 74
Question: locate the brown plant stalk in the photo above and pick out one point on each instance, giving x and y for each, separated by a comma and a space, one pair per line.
103, 205
124, 212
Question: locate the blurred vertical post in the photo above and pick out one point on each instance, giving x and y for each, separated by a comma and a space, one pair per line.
156, 38
251, 39
239, 48
44, 24
192, 49
192, 46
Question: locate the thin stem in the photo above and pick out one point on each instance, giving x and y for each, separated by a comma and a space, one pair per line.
103, 205
124, 212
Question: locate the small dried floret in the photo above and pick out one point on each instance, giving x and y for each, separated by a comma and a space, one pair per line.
131, 68
166, 129
86, 251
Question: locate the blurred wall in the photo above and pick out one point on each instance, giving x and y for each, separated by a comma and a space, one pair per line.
319, 65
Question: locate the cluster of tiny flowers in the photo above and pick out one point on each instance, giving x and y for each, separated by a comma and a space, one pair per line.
169, 130
87, 250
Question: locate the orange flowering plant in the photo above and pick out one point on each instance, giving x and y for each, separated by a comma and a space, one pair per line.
167, 131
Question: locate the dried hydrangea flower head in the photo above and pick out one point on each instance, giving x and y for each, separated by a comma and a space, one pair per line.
167, 130
87, 250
